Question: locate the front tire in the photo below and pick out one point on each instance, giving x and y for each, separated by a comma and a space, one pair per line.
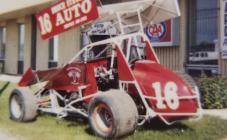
22, 105
113, 114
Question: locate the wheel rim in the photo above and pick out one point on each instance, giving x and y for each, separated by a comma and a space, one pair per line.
103, 118
16, 107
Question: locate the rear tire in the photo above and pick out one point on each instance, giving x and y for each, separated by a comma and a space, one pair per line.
22, 105
189, 81
113, 114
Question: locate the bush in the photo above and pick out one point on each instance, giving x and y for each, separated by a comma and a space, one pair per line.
213, 92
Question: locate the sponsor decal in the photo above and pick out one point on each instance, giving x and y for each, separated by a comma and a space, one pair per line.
74, 74
160, 33
64, 15
103, 28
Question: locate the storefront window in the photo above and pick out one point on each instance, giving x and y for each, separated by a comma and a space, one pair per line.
21, 42
2, 42
202, 34
206, 21
53, 51
203, 22
2, 47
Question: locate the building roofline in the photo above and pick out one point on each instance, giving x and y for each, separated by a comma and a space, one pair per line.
21, 8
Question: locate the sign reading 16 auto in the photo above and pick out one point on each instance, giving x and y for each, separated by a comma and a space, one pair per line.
224, 28
64, 15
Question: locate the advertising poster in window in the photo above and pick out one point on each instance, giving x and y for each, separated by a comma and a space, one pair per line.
103, 28
224, 28
160, 34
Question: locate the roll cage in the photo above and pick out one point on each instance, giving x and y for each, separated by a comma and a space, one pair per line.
132, 45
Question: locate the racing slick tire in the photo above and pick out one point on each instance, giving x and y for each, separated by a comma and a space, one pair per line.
22, 105
113, 114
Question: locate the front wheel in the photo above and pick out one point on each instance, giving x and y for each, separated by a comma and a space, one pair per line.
22, 105
113, 114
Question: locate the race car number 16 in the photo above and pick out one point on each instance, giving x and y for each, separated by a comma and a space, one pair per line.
170, 95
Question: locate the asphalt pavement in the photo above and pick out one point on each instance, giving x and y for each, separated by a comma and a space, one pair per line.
10, 78
221, 113
4, 136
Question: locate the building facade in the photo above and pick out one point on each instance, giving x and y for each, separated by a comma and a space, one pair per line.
21, 45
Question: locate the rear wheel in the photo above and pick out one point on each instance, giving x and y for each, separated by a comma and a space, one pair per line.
188, 80
113, 114
22, 105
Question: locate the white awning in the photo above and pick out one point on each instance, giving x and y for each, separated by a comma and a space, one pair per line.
152, 11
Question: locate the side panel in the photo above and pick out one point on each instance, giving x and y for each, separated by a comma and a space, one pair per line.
28, 78
150, 54
91, 83
69, 78
124, 71
165, 91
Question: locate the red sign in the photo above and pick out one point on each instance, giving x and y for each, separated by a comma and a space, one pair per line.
64, 15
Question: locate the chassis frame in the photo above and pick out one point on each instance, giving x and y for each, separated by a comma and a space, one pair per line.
62, 112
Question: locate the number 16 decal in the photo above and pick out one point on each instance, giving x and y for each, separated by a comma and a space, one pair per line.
170, 95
